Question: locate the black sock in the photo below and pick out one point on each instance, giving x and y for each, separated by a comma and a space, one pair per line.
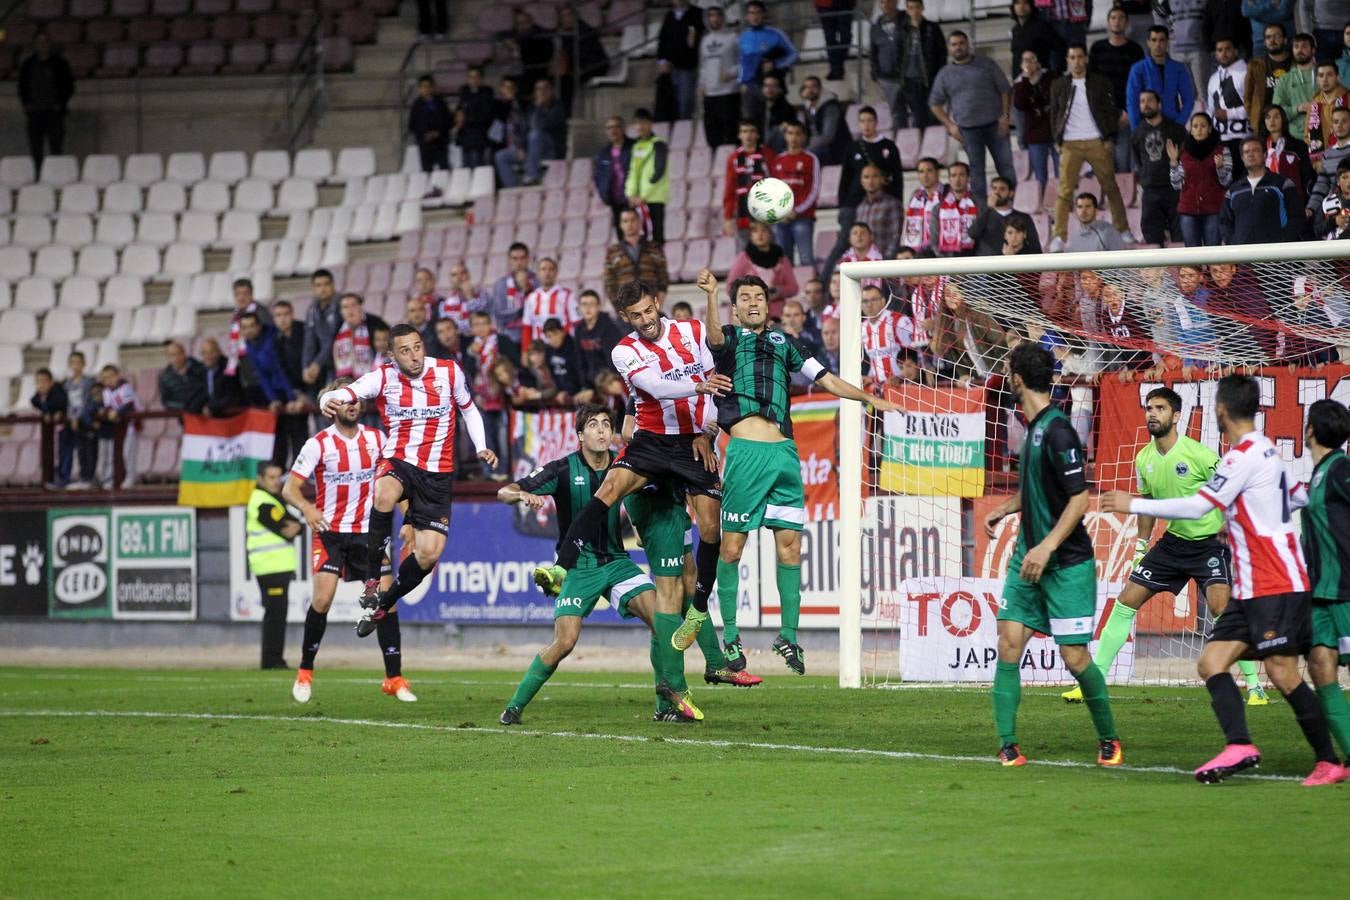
1227, 703
409, 576
315, 623
586, 530
379, 538
705, 562
389, 635
1313, 720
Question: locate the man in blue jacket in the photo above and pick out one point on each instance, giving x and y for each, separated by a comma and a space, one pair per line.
764, 50
1262, 207
610, 170
1162, 75
265, 359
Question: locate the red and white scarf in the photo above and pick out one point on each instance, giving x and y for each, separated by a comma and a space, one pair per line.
353, 355
916, 219
955, 216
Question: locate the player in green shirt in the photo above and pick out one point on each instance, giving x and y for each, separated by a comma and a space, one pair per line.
1051, 583
603, 569
1172, 465
1326, 547
762, 480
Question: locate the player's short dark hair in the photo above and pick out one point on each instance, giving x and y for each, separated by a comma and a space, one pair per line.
793, 123
278, 304
960, 34
1035, 365
75, 353
747, 281
998, 179
1087, 195
1306, 38
1240, 396
589, 293
755, 4
751, 122
1076, 45
265, 464
1330, 423
630, 293
867, 110
642, 114
1344, 164
958, 164
1156, 96
1165, 393
321, 273
44, 371
1326, 65
402, 329
516, 246
242, 282
682, 306
250, 315
1159, 29
928, 159
588, 411
553, 325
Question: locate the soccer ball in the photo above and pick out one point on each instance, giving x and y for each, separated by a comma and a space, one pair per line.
770, 200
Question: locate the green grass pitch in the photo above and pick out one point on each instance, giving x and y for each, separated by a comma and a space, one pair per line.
212, 784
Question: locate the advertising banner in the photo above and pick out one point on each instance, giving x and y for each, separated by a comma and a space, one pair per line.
815, 427
23, 563
934, 445
77, 563
154, 572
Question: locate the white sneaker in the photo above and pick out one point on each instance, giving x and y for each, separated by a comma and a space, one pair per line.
78, 486
302, 690
1128, 238
1057, 245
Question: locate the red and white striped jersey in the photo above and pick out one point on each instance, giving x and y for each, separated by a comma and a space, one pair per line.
456, 306
344, 475
1256, 493
542, 304
926, 302
680, 353
873, 254
884, 336
418, 413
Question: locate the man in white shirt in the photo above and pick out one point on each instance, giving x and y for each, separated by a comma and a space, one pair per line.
1223, 100
719, 64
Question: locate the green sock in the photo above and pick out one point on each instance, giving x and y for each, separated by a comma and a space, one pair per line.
713, 657
1248, 670
790, 599
672, 661
1114, 635
534, 679
1007, 697
728, 589
657, 663
1338, 714
1093, 683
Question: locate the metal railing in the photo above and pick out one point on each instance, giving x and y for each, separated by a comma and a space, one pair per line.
305, 87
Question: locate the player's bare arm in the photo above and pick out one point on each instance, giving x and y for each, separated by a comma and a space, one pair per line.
842, 389
707, 283
512, 493
997, 514
313, 516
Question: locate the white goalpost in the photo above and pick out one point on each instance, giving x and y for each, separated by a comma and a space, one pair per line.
919, 580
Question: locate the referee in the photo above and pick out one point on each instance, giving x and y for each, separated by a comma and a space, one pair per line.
270, 541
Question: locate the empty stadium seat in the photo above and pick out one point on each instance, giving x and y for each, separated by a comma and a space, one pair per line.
253, 195
123, 292
123, 197
166, 197
143, 169
115, 229
81, 197
271, 166
18, 327
74, 230
238, 226
79, 293
61, 326
314, 164
228, 167
355, 162
36, 199
297, 193
15, 263
201, 229
141, 260
11, 361
97, 261
59, 171
54, 261
35, 294
16, 171
32, 231
157, 229
210, 196
181, 259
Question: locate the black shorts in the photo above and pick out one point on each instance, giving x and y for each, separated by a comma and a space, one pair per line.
671, 457
345, 555
1174, 561
427, 493
1274, 625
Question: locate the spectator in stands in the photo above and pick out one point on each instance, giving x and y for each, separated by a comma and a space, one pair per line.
1309, 314
1031, 99
1223, 99
829, 345
682, 311
1237, 293
1083, 123
474, 117
1326, 19
1187, 322
1264, 72
813, 293
764, 50
1294, 91
1158, 199
322, 321
918, 233
1330, 96
1285, 154
581, 54
430, 122
836, 21
1092, 234
954, 215
432, 21
884, 57
635, 257
648, 181
869, 148
861, 247
609, 171
1162, 75
463, 298
677, 53
1201, 169
49, 399
1069, 19
508, 118
766, 259
1019, 237
800, 169
1262, 207
83, 398
293, 420
548, 301
46, 85
354, 349
265, 359
1112, 57
545, 138
507, 298
1343, 57
224, 396
747, 164
243, 304
424, 292
415, 314
560, 350
971, 97
719, 62
989, 226
115, 419
537, 388
1338, 150
1119, 318
794, 325
823, 116
880, 211
1186, 19
923, 53
596, 335
486, 352
448, 343
968, 343
534, 46
771, 111
182, 381
1033, 33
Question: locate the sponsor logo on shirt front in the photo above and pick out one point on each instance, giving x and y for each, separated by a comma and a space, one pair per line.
1183, 470
360, 476
421, 412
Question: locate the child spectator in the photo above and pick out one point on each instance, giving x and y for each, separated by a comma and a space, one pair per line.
119, 404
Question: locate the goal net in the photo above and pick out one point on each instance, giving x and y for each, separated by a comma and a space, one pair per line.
920, 580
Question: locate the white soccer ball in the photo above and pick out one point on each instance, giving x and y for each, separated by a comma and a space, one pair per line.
770, 200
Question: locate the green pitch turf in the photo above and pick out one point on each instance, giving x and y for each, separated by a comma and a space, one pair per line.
212, 784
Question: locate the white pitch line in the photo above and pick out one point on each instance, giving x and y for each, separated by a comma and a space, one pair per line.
621, 738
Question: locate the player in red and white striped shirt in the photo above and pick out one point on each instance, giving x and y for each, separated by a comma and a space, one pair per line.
418, 397
548, 301
1270, 615
669, 369
885, 334
342, 460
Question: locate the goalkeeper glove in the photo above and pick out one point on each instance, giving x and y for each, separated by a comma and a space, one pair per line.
1140, 548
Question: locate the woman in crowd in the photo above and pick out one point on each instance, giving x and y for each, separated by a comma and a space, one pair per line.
766, 259
1201, 170
1285, 154
968, 343
1031, 99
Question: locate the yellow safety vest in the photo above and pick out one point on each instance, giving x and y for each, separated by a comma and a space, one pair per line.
268, 552
640, 182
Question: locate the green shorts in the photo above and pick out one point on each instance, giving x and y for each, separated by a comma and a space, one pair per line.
583, 588
1063, 604
762, 486
1331, 627
662, 523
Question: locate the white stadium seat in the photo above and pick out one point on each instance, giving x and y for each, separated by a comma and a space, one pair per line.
296, 194
74, 231
180, 291
16, 171
482, 183
210, 196
315, 164
142, 324
263, 287
159, 229
271, 166
123, 292
355, 162
354, 192
32, 231
123, 197
362, 223
62, 326
101, 169
97, 261
6, 201
253, 195
143, 169
198, 228
287, 261
229, 166
81, 197
141, 260
238, 226
115, 229
4, 294
311, 255
334, 253
120, 328
59, 171
36, 200
386, 217
11, 363
297, 226
79, 293
18, 327
409, 217
55, 261
241, 257
320, 222
185, 168
340, 222
162, 327
36, 294
166, 196
182, 259
184, 322
458, 192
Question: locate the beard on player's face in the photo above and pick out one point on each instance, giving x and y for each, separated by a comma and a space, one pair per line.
1158, 428
348, 415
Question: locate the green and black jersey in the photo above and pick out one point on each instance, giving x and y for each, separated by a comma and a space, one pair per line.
571, 482
1052, 473
760, 367
1326, 529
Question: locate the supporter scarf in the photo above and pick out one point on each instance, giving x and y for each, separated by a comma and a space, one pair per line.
765, 259
1201, 149
353, 354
